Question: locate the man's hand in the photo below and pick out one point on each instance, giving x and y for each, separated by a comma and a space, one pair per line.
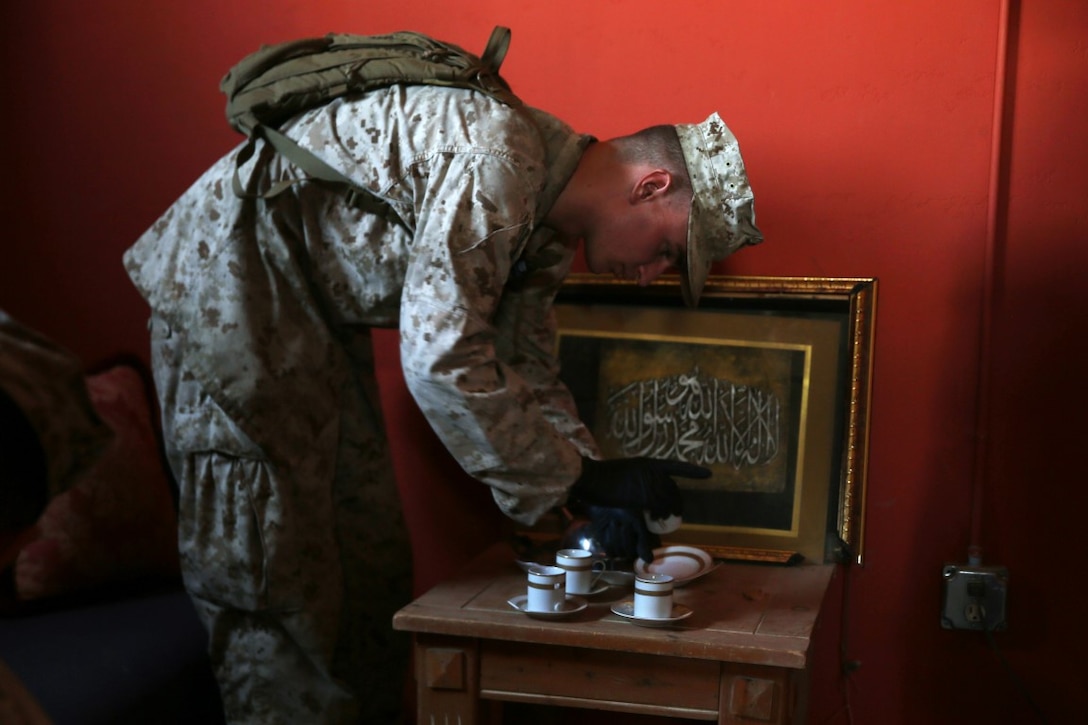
622, 533
635, 483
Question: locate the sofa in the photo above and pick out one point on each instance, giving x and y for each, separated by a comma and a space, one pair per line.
136, 655
95, 626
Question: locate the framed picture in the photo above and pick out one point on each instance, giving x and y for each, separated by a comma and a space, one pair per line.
767, 383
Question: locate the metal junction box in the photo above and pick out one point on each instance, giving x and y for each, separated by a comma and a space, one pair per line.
974, 597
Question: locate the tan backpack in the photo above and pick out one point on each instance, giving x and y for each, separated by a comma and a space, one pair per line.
279, 81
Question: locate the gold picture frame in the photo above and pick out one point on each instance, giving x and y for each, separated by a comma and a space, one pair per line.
767, 383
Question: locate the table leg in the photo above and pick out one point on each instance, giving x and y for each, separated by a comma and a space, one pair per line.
447, 681
753, 694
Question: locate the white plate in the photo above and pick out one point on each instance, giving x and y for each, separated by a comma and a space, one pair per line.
571, 606
627, 611
682, 563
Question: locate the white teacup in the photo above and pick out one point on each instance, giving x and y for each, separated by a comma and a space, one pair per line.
653, 596
547, 588
582, 571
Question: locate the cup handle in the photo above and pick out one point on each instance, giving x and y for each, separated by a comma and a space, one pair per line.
597, 573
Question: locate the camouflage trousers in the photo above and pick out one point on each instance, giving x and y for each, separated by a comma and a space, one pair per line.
296, 570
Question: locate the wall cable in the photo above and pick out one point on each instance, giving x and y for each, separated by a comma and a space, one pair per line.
996, 237
997, 209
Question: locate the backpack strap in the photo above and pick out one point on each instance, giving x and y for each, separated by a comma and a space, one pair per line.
495, 50
357, 196
360, 197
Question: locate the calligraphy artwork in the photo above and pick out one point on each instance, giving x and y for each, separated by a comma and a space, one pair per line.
694, 417
724, 406
766, 383
735, 407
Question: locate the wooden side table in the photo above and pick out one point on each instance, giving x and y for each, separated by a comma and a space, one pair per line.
741, 657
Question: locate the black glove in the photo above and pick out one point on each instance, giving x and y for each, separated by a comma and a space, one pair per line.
622, 533
635, 483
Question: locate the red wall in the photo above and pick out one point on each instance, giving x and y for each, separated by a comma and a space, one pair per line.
868, 129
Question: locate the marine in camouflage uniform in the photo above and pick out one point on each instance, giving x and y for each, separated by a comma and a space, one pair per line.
293, 544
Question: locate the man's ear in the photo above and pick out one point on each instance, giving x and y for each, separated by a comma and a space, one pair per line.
651, 185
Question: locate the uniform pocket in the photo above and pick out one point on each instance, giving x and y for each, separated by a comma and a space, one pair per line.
221, 530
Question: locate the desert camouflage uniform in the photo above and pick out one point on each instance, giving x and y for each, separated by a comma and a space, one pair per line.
290, 523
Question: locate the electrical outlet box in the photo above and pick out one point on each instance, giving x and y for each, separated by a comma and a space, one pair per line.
974, 597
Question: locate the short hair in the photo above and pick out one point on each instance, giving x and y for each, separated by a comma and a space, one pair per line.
659, 146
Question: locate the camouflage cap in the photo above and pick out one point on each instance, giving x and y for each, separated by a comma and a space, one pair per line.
723, 217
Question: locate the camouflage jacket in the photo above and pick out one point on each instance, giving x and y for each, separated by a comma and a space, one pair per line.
268, 291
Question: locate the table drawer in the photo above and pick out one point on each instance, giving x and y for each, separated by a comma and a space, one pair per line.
610, 680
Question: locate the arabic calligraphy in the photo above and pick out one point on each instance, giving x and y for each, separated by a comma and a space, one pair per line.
697, 418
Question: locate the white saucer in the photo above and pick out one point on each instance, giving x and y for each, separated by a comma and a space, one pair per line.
627, 611
617, 578
683, 563
602, 586
571, 606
